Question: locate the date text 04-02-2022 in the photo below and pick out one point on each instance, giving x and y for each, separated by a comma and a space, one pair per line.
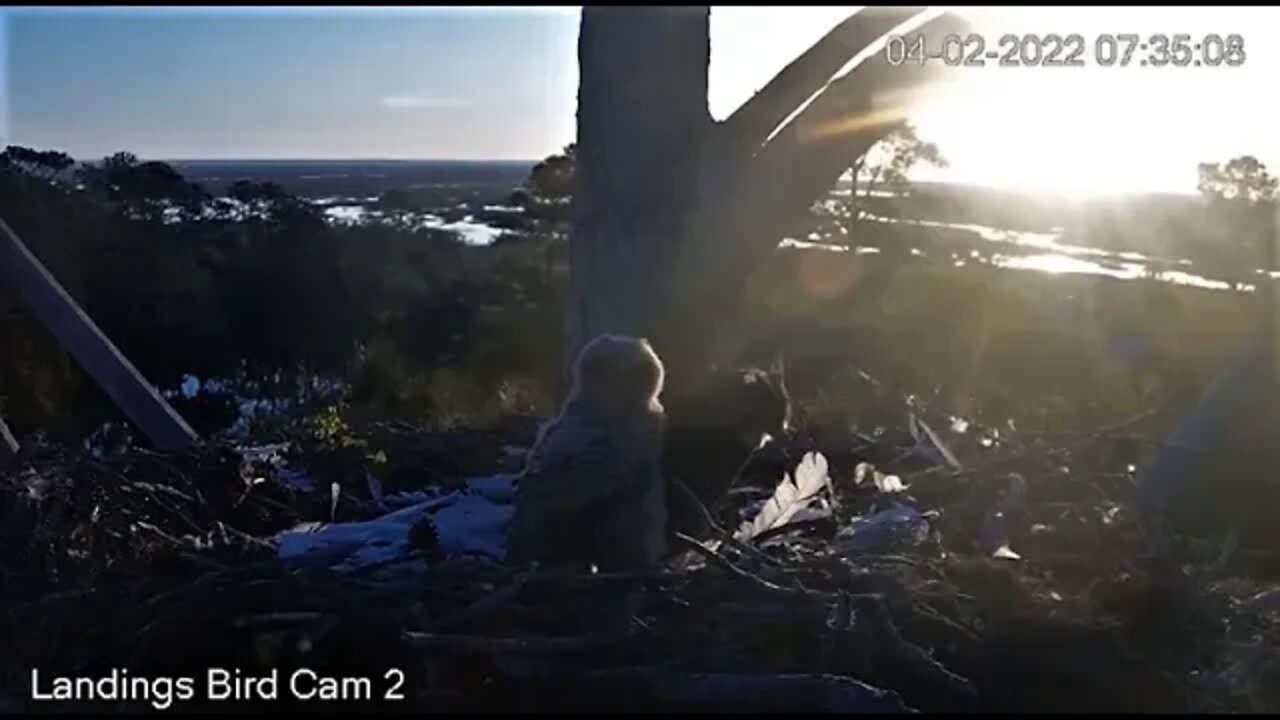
1068, 50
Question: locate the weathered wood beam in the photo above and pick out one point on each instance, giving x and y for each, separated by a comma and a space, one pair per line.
8, 443
80, 336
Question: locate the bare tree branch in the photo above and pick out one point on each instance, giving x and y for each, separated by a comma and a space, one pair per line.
752, 123
851, 116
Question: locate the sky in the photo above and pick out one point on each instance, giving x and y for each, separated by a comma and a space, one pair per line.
500, 83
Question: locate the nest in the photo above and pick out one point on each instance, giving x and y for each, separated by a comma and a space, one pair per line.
149, 569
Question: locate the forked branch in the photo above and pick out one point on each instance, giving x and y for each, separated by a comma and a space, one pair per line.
841, 125
752, 123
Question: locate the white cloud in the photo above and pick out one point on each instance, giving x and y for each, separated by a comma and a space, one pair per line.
400, 102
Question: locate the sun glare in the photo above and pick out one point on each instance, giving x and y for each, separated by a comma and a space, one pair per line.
1072, 131
1086, 131
1074, 135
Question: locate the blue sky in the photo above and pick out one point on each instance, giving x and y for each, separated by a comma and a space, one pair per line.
484, 83
283, 83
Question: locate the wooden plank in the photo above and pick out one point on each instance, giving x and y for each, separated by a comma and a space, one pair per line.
80, 336
8, 443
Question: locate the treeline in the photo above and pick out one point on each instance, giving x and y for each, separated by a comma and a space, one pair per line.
255, 285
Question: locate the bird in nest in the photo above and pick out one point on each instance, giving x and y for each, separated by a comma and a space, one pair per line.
591, 491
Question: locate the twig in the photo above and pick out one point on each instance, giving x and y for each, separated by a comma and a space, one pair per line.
502, 646
246, 537
1024, 454
278, 617
760, 692
932, 614
724, 563
144, 525
886, 635
724, 535
492, 601
791, 527
152, 493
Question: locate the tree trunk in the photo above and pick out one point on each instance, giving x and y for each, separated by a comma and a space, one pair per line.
672, 210
643, 127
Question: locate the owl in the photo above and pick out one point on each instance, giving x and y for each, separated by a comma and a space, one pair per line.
591, 491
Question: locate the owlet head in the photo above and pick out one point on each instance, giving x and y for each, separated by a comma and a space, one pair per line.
618, 373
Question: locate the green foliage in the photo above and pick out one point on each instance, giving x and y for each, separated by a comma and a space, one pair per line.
987, 344
547, 194
256, 286
552, 179
48, 165
426, 330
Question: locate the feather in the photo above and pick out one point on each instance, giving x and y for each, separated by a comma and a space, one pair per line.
888, 483
792, 495
861, 471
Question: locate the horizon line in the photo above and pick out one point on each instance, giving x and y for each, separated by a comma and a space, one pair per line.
350, 159
232, 159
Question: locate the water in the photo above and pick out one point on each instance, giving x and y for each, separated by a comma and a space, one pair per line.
1044, 252
469, 229
1055, 256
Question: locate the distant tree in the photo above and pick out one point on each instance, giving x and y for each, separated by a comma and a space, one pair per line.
151, 191
1242, 195
47, 165
547, 193
884, 168
396, 205
260, 197
1242, 179
546, 197
551, 181
1225, 482
122, 159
